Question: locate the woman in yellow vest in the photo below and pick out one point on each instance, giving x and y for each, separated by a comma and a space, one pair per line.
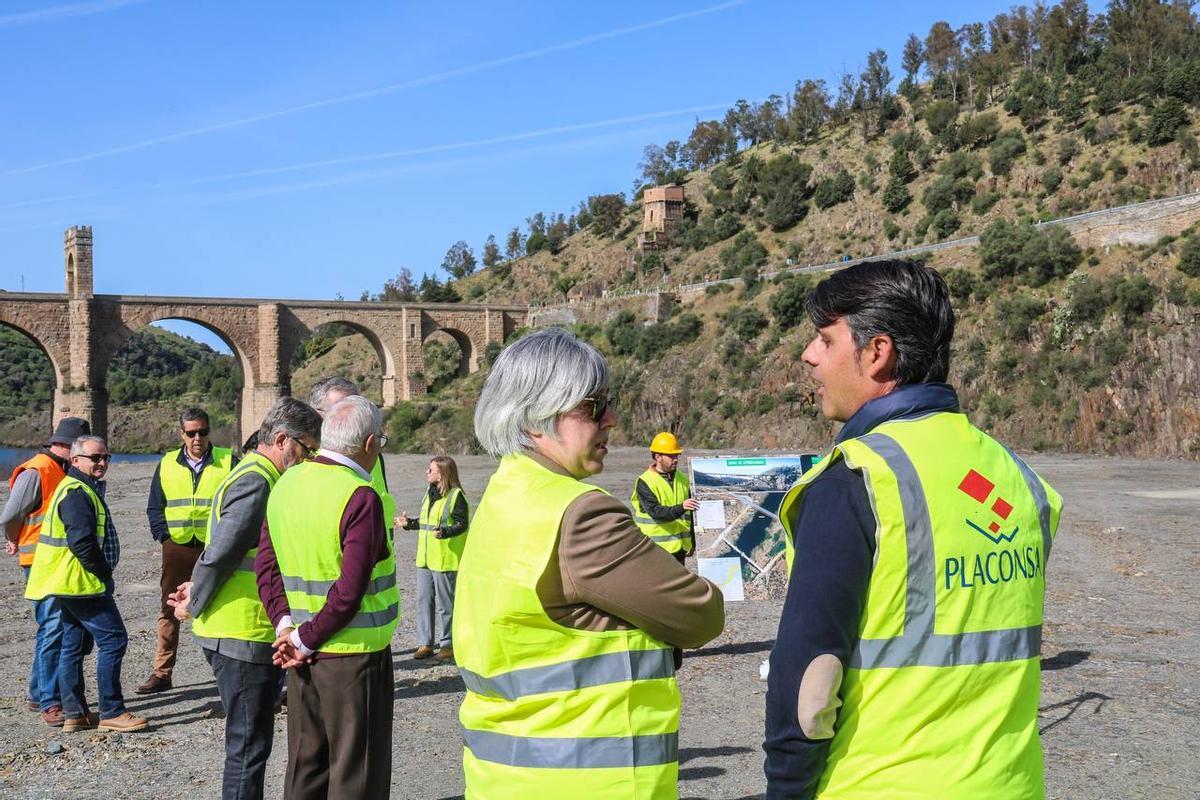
441, 537
566, 613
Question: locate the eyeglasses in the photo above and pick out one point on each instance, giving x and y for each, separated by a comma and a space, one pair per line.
309, 452
383, 440
601, 405
96, 458
195, 433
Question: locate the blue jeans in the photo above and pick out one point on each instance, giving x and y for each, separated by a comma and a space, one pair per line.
43, 676
97, 618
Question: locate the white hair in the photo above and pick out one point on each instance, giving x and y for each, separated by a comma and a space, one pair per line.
77, 445
348, 423
533, 381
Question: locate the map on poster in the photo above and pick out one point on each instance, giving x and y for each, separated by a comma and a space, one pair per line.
726, 573
739, 497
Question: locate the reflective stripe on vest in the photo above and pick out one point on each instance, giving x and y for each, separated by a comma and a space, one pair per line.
304, 515
235, 611
188, 500
440, 555
50, 475
584, 752
672, 536
551, 711
55, 570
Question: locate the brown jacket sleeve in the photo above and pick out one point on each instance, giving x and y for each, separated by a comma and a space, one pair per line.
607, 563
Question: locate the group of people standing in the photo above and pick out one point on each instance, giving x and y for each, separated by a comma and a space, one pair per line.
565, 613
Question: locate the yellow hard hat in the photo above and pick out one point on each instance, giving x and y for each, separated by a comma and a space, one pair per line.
666, 443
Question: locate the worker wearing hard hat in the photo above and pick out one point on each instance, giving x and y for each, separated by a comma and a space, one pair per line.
662, 501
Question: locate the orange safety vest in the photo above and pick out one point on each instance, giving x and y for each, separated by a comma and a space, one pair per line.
50, 475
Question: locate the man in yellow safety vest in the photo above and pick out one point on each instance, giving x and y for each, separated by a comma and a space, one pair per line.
907, 659
181, 494
662, 501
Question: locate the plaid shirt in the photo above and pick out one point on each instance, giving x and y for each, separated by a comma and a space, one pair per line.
111, 544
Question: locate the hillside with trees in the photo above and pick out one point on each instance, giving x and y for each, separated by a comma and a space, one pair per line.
1038, 113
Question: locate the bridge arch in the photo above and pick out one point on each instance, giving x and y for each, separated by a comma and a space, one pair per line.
304, 323
468, 362
42, 419
232, 328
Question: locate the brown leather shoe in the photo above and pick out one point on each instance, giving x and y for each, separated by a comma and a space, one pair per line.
32, 706
85, 723
153, 685
424, 651
53, 716
125, 723
444, 655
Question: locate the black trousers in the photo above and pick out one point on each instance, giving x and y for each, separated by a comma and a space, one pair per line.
340, 728
248, 694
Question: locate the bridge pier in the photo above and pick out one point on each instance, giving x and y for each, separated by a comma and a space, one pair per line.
88, 402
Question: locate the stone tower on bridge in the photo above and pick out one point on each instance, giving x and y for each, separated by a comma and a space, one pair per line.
81, 331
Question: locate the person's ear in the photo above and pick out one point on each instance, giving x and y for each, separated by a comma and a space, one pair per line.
879, 358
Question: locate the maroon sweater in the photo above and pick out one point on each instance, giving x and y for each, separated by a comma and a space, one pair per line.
364, 544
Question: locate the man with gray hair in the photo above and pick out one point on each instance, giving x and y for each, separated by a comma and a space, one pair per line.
231, 623
327, 576
322, 396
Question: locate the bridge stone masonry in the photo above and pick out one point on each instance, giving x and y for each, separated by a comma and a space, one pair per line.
81, 331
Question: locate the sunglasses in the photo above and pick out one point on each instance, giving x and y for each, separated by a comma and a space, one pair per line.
601, 405
195, 433
96, 458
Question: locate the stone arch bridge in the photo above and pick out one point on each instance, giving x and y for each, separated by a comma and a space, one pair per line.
81, 331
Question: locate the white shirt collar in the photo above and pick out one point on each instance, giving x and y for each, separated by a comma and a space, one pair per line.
345, 461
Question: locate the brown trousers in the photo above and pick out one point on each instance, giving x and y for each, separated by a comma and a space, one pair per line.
339, 725
177, 563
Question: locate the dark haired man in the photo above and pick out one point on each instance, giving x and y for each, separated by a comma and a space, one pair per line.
181, 494
231, 623
906, 663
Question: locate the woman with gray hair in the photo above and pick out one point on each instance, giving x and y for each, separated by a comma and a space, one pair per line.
566, 614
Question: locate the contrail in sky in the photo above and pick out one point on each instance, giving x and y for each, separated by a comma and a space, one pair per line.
383, 156
63, 12
437, 77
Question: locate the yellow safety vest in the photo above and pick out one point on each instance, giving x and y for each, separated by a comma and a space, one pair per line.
551, 711
441, 555
50, 475
380, 485
55, 570
671, 536
236, 612
941, 695
304, 515
187, 509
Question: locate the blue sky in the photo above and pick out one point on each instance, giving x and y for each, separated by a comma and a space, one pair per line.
303, 150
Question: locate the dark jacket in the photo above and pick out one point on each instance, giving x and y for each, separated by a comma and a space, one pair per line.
78, 516
456, 525
835, 548
156, 503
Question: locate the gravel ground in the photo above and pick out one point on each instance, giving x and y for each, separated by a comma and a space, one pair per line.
1120, 696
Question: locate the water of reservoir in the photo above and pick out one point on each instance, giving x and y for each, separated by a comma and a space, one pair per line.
11, 456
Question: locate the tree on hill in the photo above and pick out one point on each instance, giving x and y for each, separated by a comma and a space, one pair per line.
400, 289
434, 291
459, 261
514, 243
491, 252
810, 109
606, 212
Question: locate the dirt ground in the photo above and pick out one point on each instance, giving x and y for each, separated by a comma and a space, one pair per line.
1121, 657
